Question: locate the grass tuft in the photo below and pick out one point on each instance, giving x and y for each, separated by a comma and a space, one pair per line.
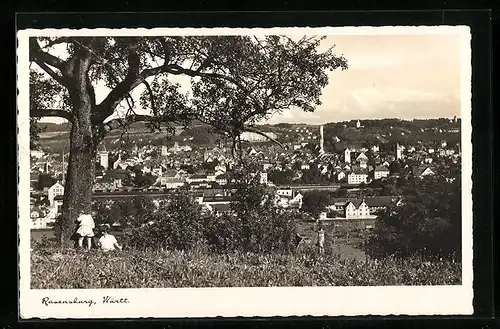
71, 269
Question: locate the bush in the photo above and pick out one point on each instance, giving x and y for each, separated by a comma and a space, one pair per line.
253, 224
262, 226
126, 212
176, 225
427, 224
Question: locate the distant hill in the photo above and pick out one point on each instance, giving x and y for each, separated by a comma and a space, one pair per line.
391, 131
54, 127
373, 132
66, 127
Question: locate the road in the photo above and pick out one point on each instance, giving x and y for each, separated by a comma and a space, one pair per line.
122, 194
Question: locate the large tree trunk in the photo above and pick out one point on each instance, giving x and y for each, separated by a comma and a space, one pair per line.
83, 147
78, 185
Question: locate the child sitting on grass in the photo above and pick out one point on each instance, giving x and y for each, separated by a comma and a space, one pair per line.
107, 241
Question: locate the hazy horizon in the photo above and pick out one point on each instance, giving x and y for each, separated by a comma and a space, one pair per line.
407, 76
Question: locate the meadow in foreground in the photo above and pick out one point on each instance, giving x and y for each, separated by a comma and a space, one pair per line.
71, 269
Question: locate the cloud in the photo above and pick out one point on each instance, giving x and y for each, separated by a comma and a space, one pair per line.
370, 96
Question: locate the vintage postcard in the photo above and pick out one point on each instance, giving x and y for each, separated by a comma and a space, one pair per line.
245, 172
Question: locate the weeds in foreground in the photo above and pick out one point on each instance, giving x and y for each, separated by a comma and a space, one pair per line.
72, 269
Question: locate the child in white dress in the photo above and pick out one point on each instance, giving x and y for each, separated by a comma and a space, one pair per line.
85, 229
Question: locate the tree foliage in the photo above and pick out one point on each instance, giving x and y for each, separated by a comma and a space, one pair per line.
45, 180
125, 212
281, 177
235, 80
428, 222
315, 202
232, 81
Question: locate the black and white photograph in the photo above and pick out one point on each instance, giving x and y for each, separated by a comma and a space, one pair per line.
245, 172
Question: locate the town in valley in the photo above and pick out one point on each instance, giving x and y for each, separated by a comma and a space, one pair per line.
351, 161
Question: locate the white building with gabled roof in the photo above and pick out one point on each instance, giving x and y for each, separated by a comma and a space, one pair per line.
53, 191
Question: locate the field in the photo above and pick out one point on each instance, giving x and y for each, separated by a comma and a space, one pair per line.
72, 269
347, 247
343, 264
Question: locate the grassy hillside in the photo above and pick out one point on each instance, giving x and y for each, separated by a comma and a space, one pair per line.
55, 269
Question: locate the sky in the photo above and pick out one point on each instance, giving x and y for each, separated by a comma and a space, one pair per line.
389, 76
405, 76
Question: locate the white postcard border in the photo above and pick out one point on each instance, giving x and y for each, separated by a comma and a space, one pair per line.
248, 302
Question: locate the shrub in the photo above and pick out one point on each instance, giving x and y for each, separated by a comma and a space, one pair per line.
427, 224
253, 224
262, 226
176, 225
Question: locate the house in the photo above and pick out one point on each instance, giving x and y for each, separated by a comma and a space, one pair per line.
305, 166
263, 178
284, 191
355, 208
340, 175
297, 200
380, 172
289, 199
357, 176
220, 209
41, 217
222, 179
171, 182
103, 156
220, 168
211, 176
214, 200
107, 186
58, 202
53, 191
117, 163
267, 166
197, 178
171, 173
362, 157
378, 203
422, 171
38, 220
37, 154
252, 151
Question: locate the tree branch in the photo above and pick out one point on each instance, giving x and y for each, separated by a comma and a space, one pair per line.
60, 79
151, 96
36, 53
133, 79
121, 122
39, 113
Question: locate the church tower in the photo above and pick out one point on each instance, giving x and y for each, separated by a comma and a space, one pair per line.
103, 156
322, 141
347, 155
399, 152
